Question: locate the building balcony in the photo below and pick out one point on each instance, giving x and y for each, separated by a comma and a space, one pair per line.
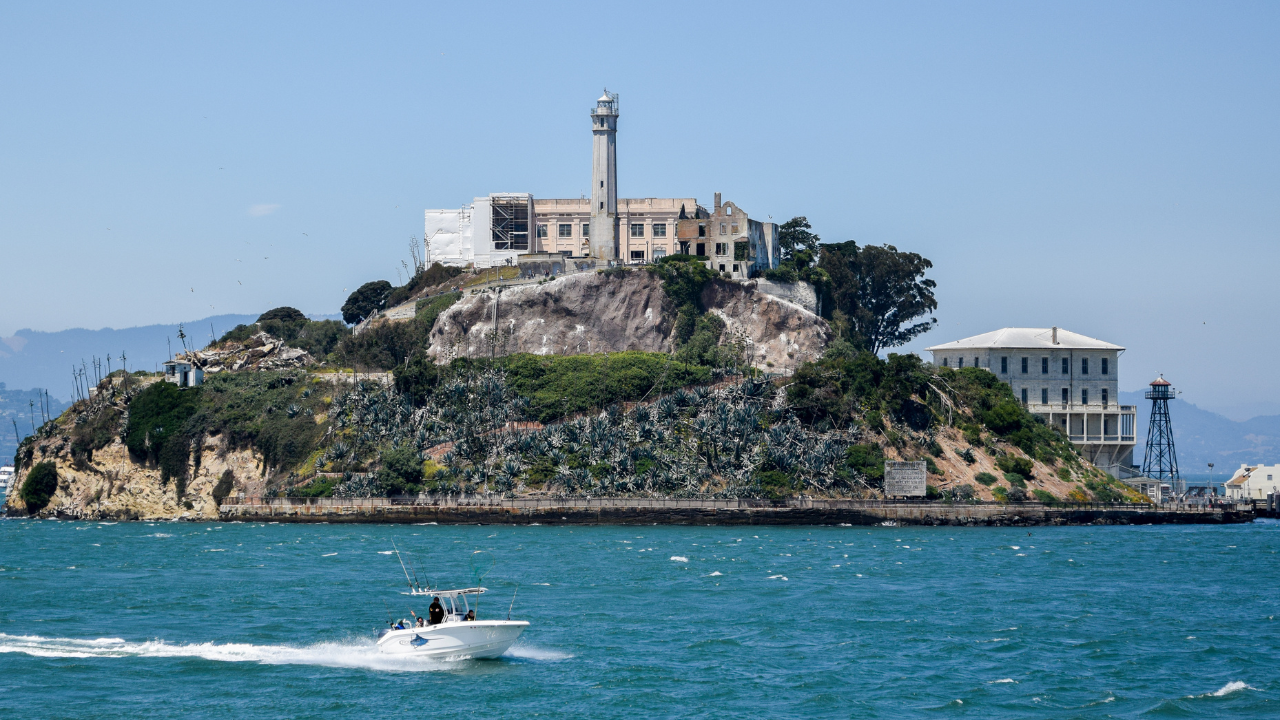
1092, 408
1091, 438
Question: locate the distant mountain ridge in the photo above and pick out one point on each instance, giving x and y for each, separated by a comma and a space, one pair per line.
1202, 437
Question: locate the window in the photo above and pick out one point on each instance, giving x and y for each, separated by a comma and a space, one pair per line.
659, 253
659, 230
637, 230
722, 248
1104, 397
1104, 366
721, 267
1004, 366
1084, 396
722, 229
601, 183
566, 229
700, 249
728, 209
1024, 366
945, 363
1044, 366
586, 230
1084, 366
702, 231
1024, 396
1044, 396
734, 228
960, 361
637, 256
1066, 397
602, 206
735, 267
542, 231
1066, 366
975, 362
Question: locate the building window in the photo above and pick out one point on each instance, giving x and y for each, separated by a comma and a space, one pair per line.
728, 209
1104, 397
945, 363
586, 230
1066, 396
1084, 396
721, 267
637, 256
1104, 366
700, 249
702, 231
637, 230
659, 230
1004, 366
1044, 396
1066, 366
1084, 366
975, 362
542, 231
1024, 366
960, 361
722, 229
601, 205
734, 228
735, 267
565, 230
659, 253
1044, 366
1024, 396
722, 248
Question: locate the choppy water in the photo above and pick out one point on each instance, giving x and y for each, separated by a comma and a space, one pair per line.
248, 620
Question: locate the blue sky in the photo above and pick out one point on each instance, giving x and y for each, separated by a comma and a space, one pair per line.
1108, 168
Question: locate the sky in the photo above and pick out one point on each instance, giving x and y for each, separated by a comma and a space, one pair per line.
1110, 168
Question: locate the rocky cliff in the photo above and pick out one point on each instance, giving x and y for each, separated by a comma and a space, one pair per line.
612, 312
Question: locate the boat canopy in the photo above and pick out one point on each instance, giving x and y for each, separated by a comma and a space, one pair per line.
448, 593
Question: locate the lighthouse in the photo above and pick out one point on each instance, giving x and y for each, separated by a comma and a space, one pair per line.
604, 178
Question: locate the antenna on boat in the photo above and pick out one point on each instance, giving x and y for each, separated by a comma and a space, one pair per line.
402, 567
513, 601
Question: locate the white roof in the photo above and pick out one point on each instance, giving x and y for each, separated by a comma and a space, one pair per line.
449, 593
1029, 338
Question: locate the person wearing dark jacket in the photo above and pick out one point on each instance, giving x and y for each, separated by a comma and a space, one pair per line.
435, 613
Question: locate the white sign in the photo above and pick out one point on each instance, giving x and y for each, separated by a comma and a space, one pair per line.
904, 479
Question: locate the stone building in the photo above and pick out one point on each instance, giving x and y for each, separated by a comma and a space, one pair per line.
499, 228
1068, 379
732, 242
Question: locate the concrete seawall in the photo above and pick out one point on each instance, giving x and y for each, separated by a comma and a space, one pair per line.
625, 511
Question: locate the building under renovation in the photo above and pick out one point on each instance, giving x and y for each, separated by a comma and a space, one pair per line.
600, 229
1070, 380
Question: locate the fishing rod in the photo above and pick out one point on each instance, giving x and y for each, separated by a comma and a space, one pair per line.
402, 567
513, 601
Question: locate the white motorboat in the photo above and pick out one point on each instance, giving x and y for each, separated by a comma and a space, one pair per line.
6, 477
457, 636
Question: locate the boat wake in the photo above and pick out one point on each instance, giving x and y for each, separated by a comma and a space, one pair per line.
349, 654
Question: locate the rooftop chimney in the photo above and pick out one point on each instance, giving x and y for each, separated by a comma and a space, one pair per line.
1055, 335
717, 202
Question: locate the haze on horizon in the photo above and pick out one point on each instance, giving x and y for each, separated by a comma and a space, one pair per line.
1107, 169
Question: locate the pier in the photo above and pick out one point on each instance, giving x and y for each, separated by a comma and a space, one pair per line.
485, 510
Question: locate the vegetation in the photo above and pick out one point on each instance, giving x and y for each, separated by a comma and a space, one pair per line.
420, 281
39, 487
365, 301
986, 478
157, 429
875, 293
317, 337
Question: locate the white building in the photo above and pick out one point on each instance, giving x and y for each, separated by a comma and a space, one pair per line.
498, 228
183, 373
1253, 482
1068, 379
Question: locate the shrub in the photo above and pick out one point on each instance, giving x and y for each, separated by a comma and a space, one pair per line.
239, 333
1064, 474
775, 484
428, 309
417, 379
867, 459
39, 487
683, 278
401, 470
932, 492
318, 487
1000, 493
559, 385
931, 466
94, 433
1016, 494
320, 337
224, 486
968, 457
1016, 465
964, 493
1015, 480
986, 478
973, 435
1045, 497
157, 428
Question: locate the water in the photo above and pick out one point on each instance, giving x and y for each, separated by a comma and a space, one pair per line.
249, 620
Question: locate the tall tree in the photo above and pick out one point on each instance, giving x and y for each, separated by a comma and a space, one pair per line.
366, 300
878, 291
796, 235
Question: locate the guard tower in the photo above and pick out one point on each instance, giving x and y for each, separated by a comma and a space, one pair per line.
1161, 461
604, 178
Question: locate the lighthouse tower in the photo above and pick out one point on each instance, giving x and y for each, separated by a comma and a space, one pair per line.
604, 178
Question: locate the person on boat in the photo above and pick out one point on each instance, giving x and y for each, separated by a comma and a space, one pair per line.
422, 622
400, 625
435, 613
471, 615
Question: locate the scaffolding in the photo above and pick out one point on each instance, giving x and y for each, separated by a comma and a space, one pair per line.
511, 222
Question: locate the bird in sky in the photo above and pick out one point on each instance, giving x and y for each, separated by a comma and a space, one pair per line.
193, 289
239, 283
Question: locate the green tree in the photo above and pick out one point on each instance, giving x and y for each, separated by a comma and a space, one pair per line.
366, 300
39, 487
877, 291
796, 235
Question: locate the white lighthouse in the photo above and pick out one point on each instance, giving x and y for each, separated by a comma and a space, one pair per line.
604, 178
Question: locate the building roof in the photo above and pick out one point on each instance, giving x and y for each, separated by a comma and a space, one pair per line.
1160, 381
1029, 338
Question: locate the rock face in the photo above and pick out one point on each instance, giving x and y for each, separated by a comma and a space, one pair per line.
259, 352
595, 312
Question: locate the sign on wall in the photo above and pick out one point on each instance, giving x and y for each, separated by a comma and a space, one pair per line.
904, 479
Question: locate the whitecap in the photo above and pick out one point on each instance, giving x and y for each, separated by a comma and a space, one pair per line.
679, 558
844, 525
527, 652
1002, 680
328, 554
777, 577
717, 573
1015, 547
214, 550
385, 552
546, 584
1233, 686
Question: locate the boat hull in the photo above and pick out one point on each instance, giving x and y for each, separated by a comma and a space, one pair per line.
477, 639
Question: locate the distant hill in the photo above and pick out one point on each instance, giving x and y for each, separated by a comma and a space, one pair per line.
17, 417
34, 359
1203, 437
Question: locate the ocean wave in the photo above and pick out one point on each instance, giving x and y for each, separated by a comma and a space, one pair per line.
679, 558
361, 654
1233, 686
